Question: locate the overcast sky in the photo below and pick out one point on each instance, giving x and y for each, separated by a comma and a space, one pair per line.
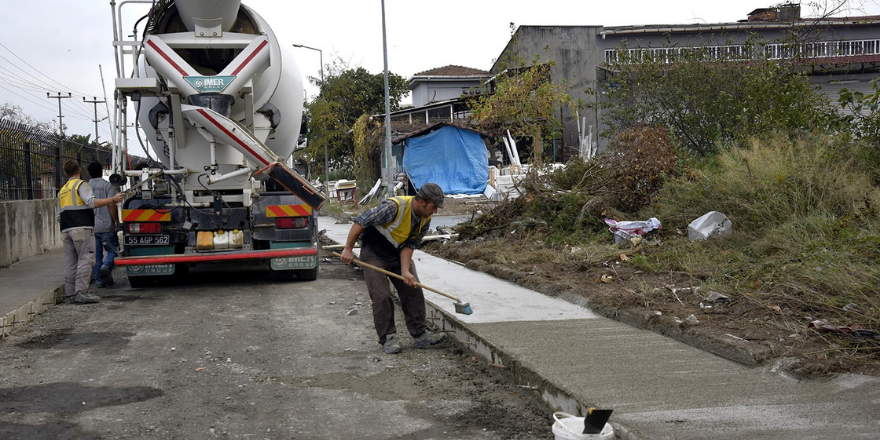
58, 45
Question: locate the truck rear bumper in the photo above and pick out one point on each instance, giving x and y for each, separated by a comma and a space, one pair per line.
215, 257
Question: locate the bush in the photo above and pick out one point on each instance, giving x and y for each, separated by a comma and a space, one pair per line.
637, 163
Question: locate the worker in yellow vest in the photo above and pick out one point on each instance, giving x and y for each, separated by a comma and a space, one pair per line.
76, 215
390, 233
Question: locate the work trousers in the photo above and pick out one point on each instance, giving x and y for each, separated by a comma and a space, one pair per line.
412, 299
79, 256
106, 249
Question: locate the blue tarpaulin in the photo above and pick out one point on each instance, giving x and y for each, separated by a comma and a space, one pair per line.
454, 158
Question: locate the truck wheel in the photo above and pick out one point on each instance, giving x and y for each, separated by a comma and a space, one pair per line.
280, 275
138, 282
181, 271
308, 274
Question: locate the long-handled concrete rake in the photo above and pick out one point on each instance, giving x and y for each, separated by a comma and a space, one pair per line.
460, 307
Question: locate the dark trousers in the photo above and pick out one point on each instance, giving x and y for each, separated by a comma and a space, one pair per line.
412, 299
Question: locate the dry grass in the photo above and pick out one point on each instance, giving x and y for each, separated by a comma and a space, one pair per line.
804, 247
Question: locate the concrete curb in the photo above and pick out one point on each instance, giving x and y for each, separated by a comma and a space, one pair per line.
28, 312
520, 373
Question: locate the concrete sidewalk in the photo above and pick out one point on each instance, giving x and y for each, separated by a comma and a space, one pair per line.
659, 388
29, 288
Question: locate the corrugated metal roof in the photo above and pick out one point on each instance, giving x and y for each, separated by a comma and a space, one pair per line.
738, 26
423, 130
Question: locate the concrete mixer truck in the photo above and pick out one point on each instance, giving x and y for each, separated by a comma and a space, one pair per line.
207, 87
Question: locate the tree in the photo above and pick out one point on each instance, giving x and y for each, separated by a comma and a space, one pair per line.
705, 97
864, 112
14, 113
525, 101
345, 95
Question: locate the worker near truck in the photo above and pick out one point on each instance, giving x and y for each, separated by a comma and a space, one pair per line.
106, 221
389, 235
76, 216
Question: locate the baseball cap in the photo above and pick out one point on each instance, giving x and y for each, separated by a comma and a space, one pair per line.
431, 192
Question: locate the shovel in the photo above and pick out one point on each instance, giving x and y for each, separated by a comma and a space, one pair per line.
460, 307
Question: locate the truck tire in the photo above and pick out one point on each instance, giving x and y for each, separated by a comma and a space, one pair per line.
280, 275
308, 274
138, 282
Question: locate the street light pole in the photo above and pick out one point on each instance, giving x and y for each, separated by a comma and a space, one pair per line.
321, 93
389, 185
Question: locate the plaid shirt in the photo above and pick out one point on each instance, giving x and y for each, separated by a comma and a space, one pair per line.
385, 213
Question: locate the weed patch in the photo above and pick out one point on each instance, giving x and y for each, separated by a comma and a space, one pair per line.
804, 245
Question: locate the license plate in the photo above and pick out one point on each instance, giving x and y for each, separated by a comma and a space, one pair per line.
149, 269
147, 240
286, 263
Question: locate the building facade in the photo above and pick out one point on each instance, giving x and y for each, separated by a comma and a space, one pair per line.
444, 83
835, 53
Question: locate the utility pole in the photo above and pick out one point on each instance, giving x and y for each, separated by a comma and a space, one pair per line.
387, 172
96, 120
60, 148
59, 96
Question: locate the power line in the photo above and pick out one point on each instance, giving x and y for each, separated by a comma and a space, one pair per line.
28, 100
46, 107
25, 85
83, 108
79, 111
17, 82
38, 71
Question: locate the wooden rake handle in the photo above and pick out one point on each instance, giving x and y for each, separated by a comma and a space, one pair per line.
392, 274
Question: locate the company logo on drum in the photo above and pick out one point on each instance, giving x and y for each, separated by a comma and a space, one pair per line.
209, 83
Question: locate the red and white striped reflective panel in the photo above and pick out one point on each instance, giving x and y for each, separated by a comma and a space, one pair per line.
145, 215
288, 210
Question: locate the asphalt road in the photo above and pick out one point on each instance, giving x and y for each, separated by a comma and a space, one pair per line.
230, 354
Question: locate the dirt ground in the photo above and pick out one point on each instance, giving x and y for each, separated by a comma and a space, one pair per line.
674, 303
227, 353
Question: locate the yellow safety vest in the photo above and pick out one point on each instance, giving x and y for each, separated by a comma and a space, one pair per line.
69, 194
399, 230
74, 212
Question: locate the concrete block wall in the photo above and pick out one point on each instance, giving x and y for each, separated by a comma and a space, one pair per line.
27, 228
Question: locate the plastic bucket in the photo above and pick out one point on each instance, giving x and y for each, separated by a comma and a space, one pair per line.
569, 427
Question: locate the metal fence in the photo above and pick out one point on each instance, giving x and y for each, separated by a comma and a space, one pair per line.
31, 160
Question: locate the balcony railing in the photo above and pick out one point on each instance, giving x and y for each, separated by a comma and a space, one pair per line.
773, 51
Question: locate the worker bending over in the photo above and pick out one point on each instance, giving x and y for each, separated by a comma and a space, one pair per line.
389, 234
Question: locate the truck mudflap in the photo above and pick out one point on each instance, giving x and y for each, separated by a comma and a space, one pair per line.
210, 257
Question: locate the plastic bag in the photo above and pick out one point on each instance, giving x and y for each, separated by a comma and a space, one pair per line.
623, 231
711, 224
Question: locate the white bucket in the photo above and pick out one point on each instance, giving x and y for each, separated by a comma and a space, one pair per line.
569, 427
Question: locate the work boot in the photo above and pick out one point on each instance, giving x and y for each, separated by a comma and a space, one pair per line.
391, 345
428, 338
107, 276
85, 298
